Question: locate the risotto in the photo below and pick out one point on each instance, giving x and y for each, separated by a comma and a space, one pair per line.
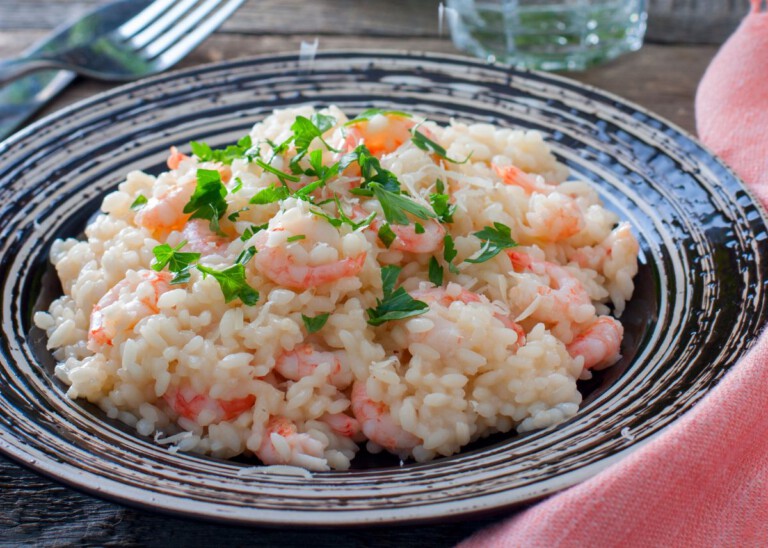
327, 282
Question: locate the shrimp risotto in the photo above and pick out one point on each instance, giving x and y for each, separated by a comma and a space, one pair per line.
327, 282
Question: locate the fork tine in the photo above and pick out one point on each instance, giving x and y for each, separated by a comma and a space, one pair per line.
159, 26
143, 18
183, 46
167, 39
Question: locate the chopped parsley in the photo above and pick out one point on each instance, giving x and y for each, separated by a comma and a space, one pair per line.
449, 253
443, 208
435, 272
245, 256
418, 228
251, 230
395, 205
207, 202
386, 234
495, 239
225, 156
343, 218
270, 195
139, 202
428, 145
233, 283
313, 325
281, 175
396, 304
238, 185
177, 262
295, 238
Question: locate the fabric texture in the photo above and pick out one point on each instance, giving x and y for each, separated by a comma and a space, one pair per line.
704, 481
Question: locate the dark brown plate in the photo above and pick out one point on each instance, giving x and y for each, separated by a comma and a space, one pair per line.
699, 303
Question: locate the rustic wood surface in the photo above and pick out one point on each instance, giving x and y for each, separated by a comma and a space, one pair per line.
36, 510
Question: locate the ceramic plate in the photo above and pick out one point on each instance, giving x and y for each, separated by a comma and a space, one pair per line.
698, 306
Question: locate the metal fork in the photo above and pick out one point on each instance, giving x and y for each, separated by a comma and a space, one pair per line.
152, 41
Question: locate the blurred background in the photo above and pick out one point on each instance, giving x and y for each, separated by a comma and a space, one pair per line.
682, 36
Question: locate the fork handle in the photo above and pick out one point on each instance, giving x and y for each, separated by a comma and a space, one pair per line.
11, 69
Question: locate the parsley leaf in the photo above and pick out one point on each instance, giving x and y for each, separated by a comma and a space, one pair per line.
177, 262
238, 185
313, 325
495, 240
207, 202
270, 195
435, 272
295, 238
443, 208
281, 175
386, 234
225, 156
343, 218
251, 230
233, 283
245, 255
394, 206
370, 170
139, 202
396, 303
418, 228
449, 253
428, 145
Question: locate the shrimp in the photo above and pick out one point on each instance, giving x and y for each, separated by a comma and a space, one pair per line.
378, 425
513, 175
313, 259
166, 212
554, 217
599, 343
112, 316
561, 300
201, 240
204, 410
304, 359
283, 444
175, 159
445, 298
381, 134
407, 239
342, 424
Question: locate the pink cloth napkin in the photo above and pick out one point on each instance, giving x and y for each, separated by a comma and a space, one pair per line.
704, 481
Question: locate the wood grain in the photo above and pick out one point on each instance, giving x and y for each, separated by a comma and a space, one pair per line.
35, 510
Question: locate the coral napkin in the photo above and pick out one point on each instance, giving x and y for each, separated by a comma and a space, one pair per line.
704, 481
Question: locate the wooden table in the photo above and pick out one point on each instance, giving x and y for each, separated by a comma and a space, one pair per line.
34, 509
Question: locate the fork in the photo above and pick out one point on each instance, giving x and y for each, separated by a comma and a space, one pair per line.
150, 42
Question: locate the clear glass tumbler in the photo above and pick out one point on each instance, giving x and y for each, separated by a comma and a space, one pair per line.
547, 34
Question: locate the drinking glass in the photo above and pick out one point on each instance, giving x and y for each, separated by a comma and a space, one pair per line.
547, 34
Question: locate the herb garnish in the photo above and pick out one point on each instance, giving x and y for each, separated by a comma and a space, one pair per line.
233, 283
179, 263
449, 253
442, 207
395, 205
207, 202
295, 238
139, 202
270, 195
251, 230
428, 145
386, 234
225, 156
396, 304
435, 272
495, 240
313, 325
